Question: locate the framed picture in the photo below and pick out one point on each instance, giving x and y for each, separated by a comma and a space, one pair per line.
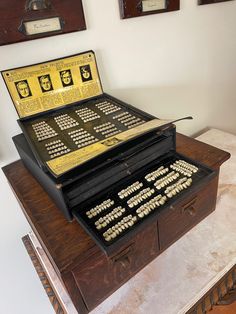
134, 8
211, 1
22, 20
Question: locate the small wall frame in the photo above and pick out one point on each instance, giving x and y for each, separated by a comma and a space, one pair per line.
135, 8
200, 2
22, 20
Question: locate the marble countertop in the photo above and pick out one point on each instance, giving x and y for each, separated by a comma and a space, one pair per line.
179, 276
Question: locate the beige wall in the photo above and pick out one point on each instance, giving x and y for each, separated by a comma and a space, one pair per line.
171, 65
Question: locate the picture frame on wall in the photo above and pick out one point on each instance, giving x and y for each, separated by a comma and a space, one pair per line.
200, 2
135, 8
22, 20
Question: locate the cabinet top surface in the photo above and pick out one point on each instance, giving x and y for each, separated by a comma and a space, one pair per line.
66, 242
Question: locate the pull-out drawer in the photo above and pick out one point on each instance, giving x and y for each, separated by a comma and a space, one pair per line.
180, 218
99, 276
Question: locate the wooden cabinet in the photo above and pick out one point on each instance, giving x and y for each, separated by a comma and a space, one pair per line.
98, 276
88, 274
180, 218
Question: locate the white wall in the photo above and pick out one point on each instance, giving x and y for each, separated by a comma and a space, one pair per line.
171, 65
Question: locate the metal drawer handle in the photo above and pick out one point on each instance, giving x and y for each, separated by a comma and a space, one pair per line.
124, 257
124, 261
191, 211
189, 207
36, 5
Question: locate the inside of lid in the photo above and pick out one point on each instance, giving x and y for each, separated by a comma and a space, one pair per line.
41, 87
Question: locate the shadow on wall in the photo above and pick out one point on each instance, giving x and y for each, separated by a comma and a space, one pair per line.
210, 107
6, 145
169, 102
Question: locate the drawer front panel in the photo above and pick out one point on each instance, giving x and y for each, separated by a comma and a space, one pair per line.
98, 277
180, 218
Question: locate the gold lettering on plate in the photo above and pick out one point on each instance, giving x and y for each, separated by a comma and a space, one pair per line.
42, 26
153, 5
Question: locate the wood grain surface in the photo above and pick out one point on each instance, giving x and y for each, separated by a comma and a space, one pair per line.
13, 13
88, 274
133, 8
42, 276
211, 1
